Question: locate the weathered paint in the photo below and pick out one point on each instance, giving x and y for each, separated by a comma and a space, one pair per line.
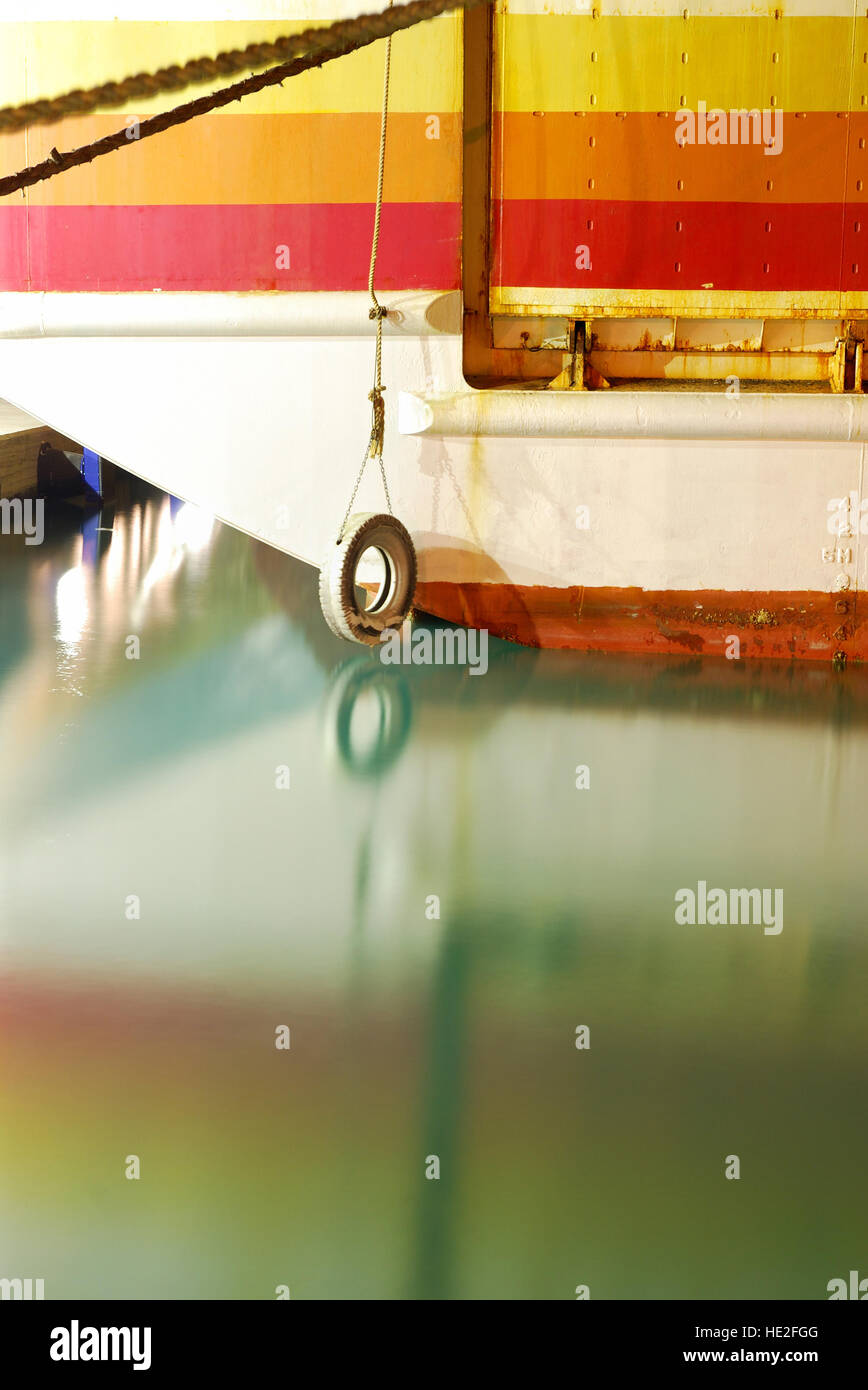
770, 624
643, 365
558, 300
699, 416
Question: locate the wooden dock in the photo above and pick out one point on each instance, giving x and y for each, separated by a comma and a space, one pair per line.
20, 438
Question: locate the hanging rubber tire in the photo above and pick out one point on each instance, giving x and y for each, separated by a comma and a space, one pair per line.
345, 614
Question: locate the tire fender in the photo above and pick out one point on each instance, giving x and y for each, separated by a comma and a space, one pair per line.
337, 589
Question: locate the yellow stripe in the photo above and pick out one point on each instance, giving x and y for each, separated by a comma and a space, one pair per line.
547, 63
557, 302
42, 60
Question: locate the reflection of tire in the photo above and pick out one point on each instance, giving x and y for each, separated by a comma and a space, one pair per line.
356, 679
337, 588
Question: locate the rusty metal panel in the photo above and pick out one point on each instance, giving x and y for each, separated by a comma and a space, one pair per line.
772, 367
719, 335
631, 335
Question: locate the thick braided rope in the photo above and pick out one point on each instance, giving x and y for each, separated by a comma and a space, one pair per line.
344, 35
374, 27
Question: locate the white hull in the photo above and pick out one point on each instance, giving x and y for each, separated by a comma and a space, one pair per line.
263, 420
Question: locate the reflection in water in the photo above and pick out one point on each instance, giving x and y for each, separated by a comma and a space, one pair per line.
72, 610
433, 908
367, 716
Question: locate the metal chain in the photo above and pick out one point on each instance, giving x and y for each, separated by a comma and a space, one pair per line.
378, 312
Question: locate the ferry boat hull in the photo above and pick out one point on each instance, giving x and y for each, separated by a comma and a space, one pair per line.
596, 544
194, 310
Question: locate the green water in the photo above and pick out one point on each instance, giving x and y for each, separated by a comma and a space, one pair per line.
412, 1036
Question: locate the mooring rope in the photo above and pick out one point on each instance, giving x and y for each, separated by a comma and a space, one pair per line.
300, 52
378, 312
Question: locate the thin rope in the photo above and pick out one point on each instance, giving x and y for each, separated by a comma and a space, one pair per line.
378, 312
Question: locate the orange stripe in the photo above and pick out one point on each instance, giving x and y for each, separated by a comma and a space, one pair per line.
13, 155
242, 159
635, 158
693, 622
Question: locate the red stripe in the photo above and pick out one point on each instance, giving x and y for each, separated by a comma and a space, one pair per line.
681, 246
632, 246
228, 247
13, 248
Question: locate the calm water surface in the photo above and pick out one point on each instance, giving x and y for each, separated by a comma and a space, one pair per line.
411, 1036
